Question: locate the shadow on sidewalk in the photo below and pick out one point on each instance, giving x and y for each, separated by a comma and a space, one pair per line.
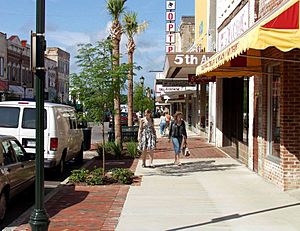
233, 216
189, 167
66, 197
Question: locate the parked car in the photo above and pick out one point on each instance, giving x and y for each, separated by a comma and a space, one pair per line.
17, 170
63, 138
124, 119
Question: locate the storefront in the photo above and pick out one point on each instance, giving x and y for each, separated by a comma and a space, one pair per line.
191, 96
258, 100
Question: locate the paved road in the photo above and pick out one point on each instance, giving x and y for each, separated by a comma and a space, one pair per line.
25, 200
19, 205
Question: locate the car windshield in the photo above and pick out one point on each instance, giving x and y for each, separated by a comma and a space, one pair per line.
9, 117
29, 118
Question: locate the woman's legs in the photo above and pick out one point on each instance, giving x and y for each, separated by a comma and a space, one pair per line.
176, 146
144, 158
150, 152
162, 128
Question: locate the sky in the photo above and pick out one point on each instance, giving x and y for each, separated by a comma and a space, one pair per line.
70, 22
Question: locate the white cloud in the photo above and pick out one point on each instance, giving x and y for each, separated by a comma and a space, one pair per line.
68, 38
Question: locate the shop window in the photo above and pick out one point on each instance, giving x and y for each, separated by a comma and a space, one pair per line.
274, 111
246, 110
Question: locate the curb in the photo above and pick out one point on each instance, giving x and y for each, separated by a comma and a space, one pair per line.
24, 216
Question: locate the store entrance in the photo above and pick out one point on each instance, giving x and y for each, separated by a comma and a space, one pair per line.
233, 114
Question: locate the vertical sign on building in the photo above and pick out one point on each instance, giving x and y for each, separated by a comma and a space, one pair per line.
170, 26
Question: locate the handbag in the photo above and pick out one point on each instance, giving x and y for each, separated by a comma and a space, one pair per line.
185, 150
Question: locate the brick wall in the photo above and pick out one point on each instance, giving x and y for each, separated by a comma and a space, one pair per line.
265, 6
285, 171
290, 121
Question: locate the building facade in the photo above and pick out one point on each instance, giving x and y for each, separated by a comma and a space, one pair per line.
19, 75
257, 87
62, 59
50, 79
3, 66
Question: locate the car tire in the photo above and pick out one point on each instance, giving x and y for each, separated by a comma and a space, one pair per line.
61, 166
3, 206
79, 157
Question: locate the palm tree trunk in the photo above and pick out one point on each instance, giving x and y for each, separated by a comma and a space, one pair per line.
117, 117
130, 90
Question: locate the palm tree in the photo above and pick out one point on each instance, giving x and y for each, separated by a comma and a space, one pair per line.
131, 29
115, 9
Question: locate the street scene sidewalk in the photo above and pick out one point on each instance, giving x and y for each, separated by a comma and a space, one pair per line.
210, 191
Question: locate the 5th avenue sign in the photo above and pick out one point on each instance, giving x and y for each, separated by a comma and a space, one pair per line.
188, 59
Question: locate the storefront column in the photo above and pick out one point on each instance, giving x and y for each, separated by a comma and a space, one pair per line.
187, 108
202, 106
197, 106
251, 124
219, 112
212, 113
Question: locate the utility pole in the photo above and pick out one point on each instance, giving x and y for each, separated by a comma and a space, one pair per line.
39, 219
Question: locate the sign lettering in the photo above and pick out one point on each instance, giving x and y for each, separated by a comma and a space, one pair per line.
170, 16
170, 38
190, 59
170, 27
170, 49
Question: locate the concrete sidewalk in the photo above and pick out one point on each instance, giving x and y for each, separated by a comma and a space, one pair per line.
215, 193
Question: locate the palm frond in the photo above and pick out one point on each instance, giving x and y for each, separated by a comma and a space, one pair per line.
130, 24
142, 27
115, 8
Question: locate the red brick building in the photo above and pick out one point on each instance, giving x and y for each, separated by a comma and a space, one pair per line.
258, 88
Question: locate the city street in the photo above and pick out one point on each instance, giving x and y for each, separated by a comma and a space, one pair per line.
18, 205
208, 89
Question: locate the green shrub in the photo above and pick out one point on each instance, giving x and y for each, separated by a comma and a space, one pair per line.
132, 148
115, 149
94, 180
122, 175
96, 177
78, 175
106, 148
97, 172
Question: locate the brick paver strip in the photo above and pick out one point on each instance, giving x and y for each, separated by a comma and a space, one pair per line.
198, 147
85, 208
89, 208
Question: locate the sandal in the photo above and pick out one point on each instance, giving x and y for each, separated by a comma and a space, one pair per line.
178, 164
144, 166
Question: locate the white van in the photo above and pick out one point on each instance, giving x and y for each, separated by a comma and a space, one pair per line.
63, 140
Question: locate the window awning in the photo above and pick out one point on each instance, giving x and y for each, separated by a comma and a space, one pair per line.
278, 29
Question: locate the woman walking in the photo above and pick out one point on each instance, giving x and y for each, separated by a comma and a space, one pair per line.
178, 135
147, 137
162, 124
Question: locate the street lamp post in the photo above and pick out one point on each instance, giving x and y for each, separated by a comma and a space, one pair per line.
142, 80
39, 219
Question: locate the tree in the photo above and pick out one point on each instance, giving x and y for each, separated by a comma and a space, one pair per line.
115, 9
93, 86
140, 101
131, 28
